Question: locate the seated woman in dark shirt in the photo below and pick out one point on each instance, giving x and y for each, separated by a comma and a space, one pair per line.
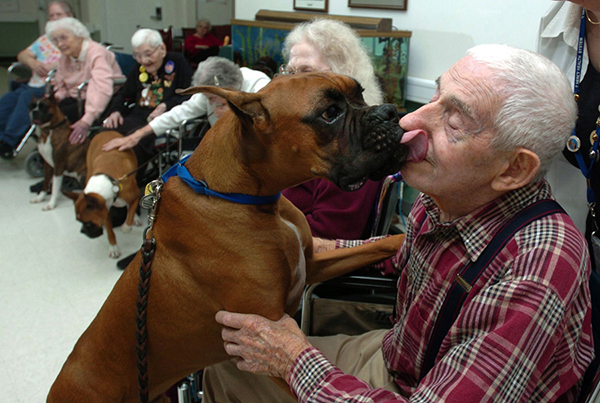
149, 90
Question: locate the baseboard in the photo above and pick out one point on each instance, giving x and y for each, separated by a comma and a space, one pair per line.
420, 90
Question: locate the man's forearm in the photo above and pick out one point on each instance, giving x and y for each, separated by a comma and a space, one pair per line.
27, 58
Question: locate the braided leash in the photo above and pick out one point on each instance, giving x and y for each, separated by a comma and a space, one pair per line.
150, 202
148, 248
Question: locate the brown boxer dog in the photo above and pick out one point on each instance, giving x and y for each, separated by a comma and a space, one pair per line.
110, 182
213, 254
60, 156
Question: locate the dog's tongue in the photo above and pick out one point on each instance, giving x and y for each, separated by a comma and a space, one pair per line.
417, 143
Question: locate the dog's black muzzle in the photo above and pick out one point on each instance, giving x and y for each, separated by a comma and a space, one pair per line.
91, 229
374, 147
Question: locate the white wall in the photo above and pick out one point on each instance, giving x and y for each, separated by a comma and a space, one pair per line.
219, 12
441, 30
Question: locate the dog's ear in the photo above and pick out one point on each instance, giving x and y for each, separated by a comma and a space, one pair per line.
72, 195
245, 105
91, 202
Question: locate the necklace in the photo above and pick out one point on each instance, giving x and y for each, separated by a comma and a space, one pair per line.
587, 15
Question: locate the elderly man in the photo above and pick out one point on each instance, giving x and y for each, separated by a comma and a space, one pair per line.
523, 332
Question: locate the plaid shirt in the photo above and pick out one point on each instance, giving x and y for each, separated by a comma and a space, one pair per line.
523, 334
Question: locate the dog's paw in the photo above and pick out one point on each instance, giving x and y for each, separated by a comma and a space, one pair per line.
49, 206
137, 222
114, 251
39, 197
126, 228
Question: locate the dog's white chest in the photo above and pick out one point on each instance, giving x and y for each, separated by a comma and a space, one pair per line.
299, 272
45, 150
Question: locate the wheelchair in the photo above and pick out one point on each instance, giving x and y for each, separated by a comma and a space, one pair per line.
19, 73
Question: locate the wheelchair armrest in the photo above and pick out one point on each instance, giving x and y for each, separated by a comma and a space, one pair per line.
19, 72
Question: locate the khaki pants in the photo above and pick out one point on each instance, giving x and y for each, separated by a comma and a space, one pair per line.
360, 356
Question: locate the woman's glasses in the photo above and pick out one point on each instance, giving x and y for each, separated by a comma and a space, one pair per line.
146, 55
286, 69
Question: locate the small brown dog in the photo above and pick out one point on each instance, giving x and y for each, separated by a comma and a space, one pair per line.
110, 182
60, 156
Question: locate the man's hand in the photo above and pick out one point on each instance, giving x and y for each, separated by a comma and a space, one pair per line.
79, 133
113, 121
263, 346
159, 110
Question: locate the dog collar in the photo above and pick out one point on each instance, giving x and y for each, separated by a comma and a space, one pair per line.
62, 122
201, 187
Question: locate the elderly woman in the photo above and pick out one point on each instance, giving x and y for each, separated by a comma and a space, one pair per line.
81, 60
329, 45
213, 71
196, 45
150, 88
41, 57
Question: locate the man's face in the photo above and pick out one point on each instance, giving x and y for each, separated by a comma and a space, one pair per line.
459, 167
56, 12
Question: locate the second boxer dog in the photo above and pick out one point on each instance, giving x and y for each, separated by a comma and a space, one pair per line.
214, 252
110, 182
60, 156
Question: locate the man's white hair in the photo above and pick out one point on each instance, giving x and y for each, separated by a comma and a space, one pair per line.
73, 25
147, 36
537, 110
341, 48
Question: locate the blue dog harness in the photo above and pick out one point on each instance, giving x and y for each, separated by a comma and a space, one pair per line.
201, 187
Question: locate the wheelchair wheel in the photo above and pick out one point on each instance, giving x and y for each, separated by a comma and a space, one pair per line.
34, 164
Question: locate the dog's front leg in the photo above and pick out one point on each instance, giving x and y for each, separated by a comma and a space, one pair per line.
56, 187
113, 249
48, 170
334, 263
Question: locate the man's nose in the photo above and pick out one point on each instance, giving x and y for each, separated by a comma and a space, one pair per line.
421, 118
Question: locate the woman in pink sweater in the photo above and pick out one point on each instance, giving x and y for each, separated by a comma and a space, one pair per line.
81, 60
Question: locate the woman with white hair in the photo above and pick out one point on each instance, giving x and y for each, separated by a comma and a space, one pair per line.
81, 60
213, 71
150, 88
330, 45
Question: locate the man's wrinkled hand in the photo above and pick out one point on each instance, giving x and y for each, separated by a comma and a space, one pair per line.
261, 345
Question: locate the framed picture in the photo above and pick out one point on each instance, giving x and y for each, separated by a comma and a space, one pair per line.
383, 4
311, 5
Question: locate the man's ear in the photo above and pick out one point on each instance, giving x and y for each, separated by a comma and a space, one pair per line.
519, 169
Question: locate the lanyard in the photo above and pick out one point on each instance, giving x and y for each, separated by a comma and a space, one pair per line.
574, 143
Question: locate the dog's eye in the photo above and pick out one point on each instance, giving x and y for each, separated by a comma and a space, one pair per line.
331, 114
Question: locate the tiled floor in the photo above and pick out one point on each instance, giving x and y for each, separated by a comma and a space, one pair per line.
53, 280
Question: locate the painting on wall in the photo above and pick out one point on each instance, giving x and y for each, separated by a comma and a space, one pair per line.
388, 53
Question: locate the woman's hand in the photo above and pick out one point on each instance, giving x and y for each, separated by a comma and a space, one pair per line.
263, 346
79, 133
121, 143
159, 110
113, 121
322, 245
39, 68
